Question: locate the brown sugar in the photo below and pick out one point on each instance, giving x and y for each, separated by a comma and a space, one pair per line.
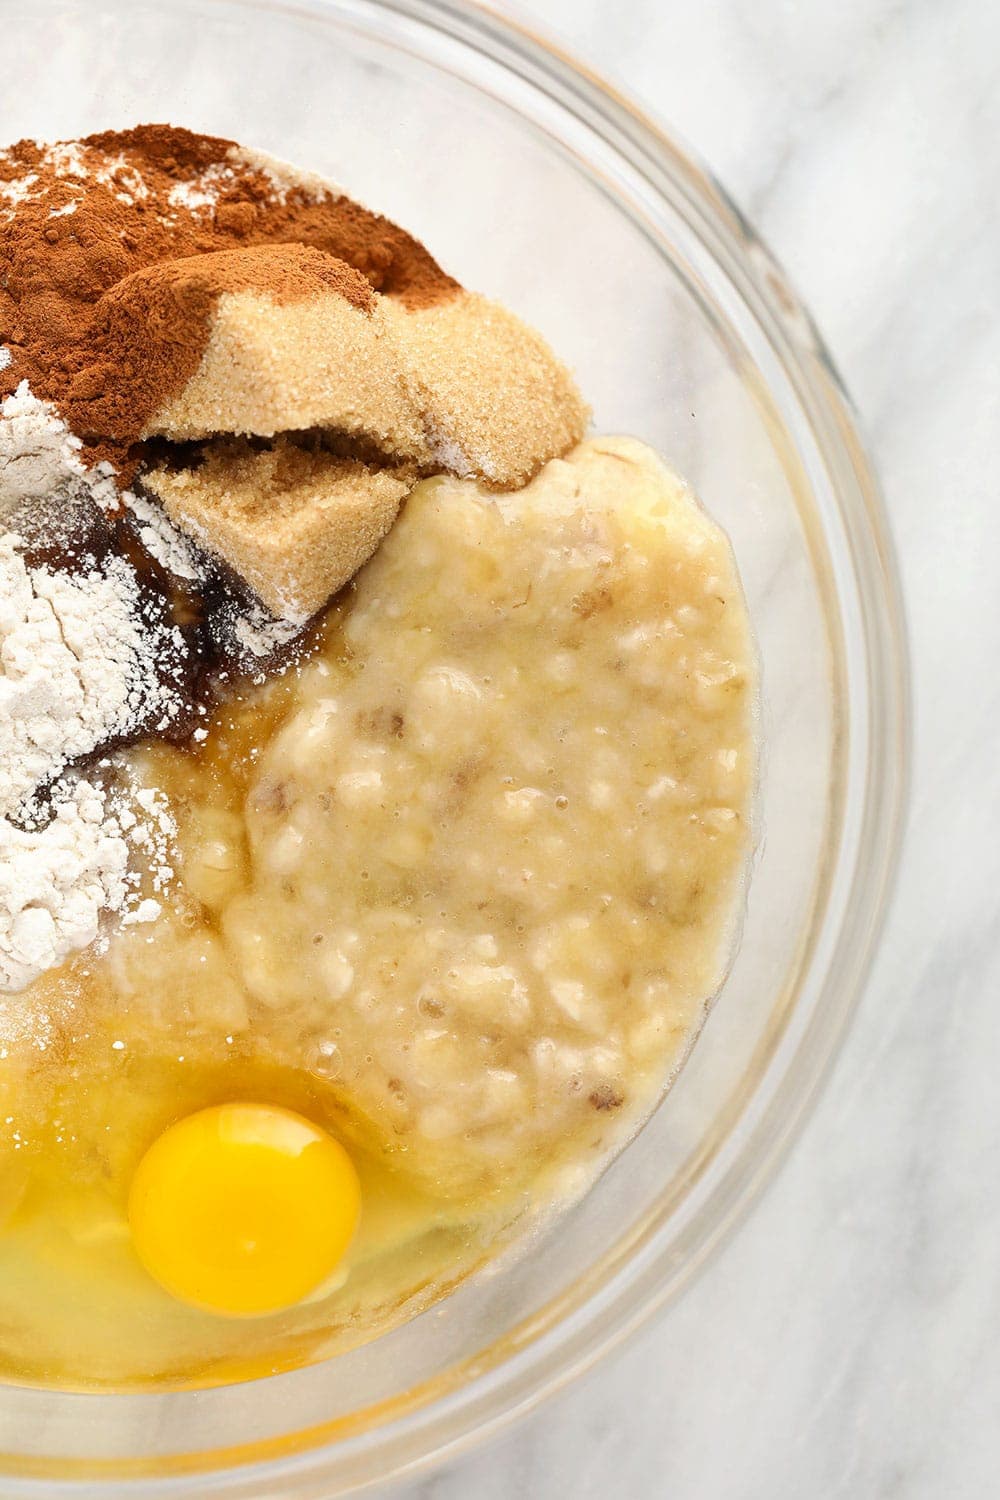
295, 522
462, 386
496, 401
84, 216
279, 362
160, 285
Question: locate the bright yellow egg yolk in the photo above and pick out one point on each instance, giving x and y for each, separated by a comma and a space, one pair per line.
243, 1208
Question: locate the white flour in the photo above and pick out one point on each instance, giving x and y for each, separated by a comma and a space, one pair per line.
40, 457
76, 163
164, 542
37, 452
78, 667
258, 634
55, 883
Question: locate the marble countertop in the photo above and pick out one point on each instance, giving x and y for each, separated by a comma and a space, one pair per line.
845, 1343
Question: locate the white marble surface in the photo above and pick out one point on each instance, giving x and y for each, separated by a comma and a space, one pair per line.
845, 1344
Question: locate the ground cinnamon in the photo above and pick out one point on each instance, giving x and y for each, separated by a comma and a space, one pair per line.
83, 224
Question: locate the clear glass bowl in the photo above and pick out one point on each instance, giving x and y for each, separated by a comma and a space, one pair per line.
534, 182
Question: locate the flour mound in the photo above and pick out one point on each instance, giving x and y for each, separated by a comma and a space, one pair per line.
79, 668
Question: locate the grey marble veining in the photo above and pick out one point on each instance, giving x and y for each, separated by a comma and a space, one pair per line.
845, 1343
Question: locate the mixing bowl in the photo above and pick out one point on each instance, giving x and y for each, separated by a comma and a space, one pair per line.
535, 183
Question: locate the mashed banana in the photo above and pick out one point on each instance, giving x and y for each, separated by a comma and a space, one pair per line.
495, 852
460, 887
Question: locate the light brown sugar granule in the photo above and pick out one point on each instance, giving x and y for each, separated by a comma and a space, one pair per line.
496, 402
271, 367
295, 522
462, 386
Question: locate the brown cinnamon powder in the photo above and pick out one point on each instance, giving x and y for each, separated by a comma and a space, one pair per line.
79, 244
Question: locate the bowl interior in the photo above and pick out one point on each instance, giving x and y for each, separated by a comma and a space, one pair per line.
531, 187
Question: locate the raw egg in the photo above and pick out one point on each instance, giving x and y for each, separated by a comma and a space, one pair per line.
243, 1208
